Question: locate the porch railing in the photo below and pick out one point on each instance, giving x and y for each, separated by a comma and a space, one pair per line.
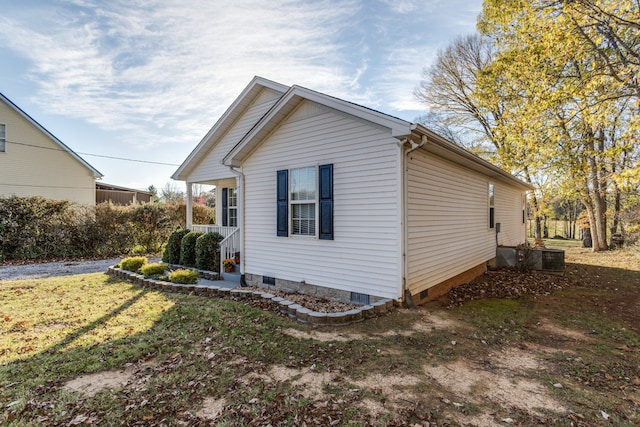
210, 228
229, 247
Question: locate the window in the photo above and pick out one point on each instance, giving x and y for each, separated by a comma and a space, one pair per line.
230, 207
524, 207
3, 138
306, 194
492, 213
303, 201
233, 207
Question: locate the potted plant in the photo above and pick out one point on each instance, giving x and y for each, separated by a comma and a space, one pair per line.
228, 265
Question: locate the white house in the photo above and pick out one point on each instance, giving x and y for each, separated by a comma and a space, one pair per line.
331, 198
33, 162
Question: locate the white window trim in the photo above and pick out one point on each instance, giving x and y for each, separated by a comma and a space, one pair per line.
316, 203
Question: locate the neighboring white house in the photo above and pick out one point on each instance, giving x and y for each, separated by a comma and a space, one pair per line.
331, 198
33, 162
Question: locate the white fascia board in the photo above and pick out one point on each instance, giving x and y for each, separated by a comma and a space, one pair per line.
223, 123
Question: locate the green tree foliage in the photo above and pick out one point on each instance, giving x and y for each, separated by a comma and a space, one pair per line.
557, 96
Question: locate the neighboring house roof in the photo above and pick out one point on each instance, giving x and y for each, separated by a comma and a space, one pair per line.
235, 110
105, 186
30, 119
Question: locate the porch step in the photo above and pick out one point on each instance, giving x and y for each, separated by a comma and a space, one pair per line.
231, 277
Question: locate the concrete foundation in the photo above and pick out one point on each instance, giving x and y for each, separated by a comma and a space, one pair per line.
306, 289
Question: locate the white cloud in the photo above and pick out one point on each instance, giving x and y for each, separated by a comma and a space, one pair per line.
171, 68
163, 71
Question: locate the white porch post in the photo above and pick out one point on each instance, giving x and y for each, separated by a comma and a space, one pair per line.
189, 205
240, 184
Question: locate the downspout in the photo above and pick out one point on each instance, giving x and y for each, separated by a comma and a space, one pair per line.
413, 146
240, 176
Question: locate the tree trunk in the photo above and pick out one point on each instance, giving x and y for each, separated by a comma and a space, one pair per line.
595, 243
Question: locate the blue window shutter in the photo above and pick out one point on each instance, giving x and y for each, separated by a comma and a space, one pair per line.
225, 207
283, 202
325, 191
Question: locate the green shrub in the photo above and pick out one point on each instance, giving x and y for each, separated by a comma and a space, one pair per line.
151, 225
133, 263
201, 214
188, 249
208, 251
171, 253
154, 269
183, 276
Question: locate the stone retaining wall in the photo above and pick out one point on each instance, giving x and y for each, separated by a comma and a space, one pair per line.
284, 306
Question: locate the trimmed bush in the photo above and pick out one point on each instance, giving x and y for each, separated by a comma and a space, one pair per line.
154, 269
208, 251
183, 276
133, 263
171, 253
188, 249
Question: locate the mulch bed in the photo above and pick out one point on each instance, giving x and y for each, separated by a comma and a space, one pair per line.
321, 305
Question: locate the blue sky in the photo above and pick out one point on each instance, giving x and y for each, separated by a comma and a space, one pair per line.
146, 79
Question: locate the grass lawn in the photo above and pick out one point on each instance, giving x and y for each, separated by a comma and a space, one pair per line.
89, 349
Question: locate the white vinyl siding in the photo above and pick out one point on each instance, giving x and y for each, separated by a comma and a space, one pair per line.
41, 167
447, 220
211, 168
508, 201
364, 255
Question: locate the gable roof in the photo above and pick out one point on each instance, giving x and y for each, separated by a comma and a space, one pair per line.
293, 96
290, 100
235, 110
400, 129
94, 171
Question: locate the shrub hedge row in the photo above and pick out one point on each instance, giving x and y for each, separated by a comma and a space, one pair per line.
38, 228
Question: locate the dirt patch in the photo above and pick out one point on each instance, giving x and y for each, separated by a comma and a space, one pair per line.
322, 336
564, 333
311, 380
92, 384
211, 408
479, 385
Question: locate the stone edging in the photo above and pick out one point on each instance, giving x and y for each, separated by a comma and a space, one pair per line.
292, 310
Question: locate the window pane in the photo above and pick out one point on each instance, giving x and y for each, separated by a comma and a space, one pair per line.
303, 184
491, 194
3, 135
304, 219
233, 197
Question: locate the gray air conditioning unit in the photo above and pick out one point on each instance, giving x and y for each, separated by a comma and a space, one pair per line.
550, 260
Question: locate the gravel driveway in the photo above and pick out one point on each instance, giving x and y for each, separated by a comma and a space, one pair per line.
51, 269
